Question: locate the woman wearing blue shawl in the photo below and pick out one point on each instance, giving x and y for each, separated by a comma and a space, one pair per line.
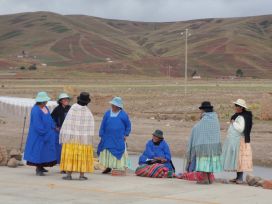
204, 147
40, 149
115, 128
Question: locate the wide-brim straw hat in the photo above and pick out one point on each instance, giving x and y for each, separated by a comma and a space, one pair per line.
241, 102
42, 97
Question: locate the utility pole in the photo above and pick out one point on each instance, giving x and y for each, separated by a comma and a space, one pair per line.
186, 68
187, 34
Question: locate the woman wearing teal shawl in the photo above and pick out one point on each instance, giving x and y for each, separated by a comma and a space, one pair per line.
204, 147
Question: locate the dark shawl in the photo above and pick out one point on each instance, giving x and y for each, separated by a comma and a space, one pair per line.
59, 114
248, 123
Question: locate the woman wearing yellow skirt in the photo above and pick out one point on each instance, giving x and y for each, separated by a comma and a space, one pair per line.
76, 136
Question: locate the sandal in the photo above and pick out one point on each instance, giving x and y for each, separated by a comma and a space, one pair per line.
233, 180
83, 178
68, 177
239, 181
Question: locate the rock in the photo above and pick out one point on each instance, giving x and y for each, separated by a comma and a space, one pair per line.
14, 153
13, 163
254, 180
4, 156
267, 184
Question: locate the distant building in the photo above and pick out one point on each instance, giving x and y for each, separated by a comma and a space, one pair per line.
196, 77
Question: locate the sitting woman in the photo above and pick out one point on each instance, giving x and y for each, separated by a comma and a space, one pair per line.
156, 159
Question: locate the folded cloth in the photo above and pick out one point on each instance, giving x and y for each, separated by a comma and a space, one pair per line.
196, 176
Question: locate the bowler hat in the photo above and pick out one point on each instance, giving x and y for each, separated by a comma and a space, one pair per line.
84, 97
158, 133
205, 105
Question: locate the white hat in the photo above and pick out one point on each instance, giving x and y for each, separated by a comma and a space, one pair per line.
241, 102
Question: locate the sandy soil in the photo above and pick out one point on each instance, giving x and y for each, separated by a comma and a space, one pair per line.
153, 104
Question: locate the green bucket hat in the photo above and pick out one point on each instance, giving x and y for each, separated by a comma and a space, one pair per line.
117, 101
42, 97
158, 134
62, 96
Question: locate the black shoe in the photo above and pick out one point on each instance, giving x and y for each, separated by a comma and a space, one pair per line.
39, 173
68, 177
106, 171
44, 170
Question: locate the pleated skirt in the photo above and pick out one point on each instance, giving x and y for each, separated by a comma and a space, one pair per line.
245, 157
77, 158
109, 161
210, 164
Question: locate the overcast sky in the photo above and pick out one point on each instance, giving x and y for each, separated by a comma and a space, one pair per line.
143, 10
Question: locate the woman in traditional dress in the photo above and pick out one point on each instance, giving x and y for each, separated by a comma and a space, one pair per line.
157, 151
58, 115
204, 147
237, 153
40, 150
115, 128
76, 137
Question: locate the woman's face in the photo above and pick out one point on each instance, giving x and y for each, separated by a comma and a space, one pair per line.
115, 108
155, 138
43, 104
201, 113
238, 109
65, 101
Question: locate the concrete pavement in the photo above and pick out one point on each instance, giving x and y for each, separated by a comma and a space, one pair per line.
20, 185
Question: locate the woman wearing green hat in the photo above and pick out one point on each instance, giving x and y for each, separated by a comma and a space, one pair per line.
58, 115
114, 129
40, 149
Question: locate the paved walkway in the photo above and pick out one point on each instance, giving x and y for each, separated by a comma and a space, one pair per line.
20, 185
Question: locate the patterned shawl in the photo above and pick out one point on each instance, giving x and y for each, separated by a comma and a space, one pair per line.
78, 126
205, 138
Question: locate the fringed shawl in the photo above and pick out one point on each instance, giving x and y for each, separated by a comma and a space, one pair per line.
205, 138
78, 126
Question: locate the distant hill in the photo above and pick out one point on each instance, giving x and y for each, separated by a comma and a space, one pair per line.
216, 47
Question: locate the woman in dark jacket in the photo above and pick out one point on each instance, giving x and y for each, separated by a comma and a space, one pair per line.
58, 115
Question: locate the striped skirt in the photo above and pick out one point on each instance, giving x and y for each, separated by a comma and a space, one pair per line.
154, 171
77, 158
245, 157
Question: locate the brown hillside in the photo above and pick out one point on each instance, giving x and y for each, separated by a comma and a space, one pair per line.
216, 47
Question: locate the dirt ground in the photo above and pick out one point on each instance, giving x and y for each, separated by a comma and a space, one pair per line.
153, 103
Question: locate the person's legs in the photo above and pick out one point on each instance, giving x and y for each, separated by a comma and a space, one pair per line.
68, 176
234, 180
82, 177
39, 171
240, 177
44, 170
